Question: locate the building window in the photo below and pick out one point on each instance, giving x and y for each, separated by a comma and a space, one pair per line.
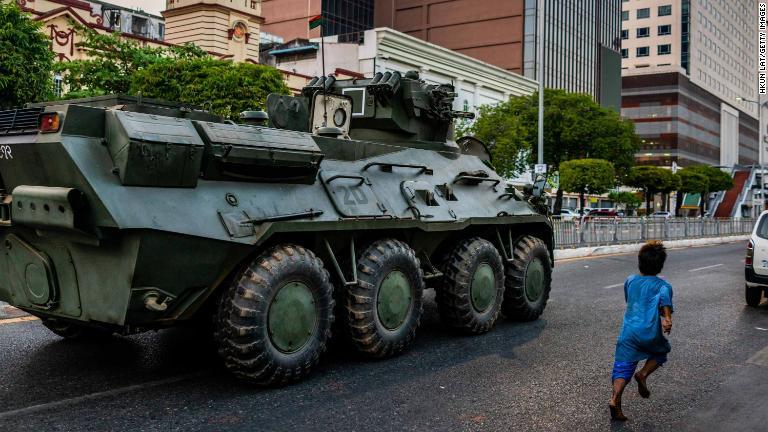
161, 31
642, 52
625, 34
347, 18
112, 18
664, 49
625, 15
665, 10
624, 53
643, 32
139, 26
664, 30
58, 85
643, 13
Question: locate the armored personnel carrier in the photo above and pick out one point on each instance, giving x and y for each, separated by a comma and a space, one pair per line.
334, 209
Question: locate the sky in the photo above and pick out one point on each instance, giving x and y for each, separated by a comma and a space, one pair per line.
151, 6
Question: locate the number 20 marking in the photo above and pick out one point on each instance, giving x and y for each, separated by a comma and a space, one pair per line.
354, 197
5, 152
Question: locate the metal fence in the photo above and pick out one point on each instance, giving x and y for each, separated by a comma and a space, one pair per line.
574, 233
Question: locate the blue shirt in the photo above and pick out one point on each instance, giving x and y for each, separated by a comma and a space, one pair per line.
641, 334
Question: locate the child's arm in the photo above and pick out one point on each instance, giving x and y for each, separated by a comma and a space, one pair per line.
666, 320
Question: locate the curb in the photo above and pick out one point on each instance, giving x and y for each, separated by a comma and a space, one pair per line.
7, 311
592, 251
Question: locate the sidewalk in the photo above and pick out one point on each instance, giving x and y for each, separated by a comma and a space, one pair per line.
591, 251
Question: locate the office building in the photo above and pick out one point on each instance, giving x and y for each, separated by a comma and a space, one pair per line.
345, 18
581, 42
684, 65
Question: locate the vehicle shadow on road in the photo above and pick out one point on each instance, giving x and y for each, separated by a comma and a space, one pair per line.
75, 369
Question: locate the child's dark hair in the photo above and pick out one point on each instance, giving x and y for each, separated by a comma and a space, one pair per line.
651, 258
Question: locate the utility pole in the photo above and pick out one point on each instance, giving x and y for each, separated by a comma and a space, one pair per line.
540, 76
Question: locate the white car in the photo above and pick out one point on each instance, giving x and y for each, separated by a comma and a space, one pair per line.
661, 215
756, 264
567, 215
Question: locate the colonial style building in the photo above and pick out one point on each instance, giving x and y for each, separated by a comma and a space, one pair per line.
59, 18
227, 29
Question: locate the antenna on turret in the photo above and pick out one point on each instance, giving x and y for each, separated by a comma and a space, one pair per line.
314, 22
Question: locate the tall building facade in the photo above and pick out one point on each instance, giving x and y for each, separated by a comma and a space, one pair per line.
581, 41
346, 18
581, 47
689, 71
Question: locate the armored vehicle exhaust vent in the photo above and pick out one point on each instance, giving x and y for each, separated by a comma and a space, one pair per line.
19, 121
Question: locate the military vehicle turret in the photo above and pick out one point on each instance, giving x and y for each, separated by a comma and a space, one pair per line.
335, 209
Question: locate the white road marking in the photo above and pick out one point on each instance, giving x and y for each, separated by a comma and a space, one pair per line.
92, 396
614, 286
705, 268
760, 358
760, 328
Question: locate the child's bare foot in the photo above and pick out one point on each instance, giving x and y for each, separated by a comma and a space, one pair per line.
642, 388
616, 413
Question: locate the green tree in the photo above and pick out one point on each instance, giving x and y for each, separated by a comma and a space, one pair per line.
575, 127
672, 184
652, 180
629, 200
717, 180
112, 61
691, 181
224, 87
26, 59
595, 176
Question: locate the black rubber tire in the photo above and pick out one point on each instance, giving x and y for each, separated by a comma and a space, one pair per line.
517, 305
361, 321
73, 331
753, 296
242, 322
454, 300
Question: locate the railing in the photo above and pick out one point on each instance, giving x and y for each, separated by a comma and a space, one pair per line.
602, 232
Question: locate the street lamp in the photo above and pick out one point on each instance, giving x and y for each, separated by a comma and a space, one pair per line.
760, 143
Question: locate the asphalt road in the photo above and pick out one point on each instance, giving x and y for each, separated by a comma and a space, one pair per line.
552, 374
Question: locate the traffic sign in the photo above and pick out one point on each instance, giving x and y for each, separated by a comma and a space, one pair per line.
540, 169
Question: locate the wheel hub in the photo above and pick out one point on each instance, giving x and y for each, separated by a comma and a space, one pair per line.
394, 300
483, 288
292, 317
534, 280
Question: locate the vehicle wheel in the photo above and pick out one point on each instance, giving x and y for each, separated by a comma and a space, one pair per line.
383, 310
274, 321
528, 280
73, 331
753, 296
470, 297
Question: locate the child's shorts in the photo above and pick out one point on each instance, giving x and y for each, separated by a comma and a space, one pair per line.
625, 369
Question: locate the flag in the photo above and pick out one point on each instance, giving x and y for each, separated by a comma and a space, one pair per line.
315, 22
